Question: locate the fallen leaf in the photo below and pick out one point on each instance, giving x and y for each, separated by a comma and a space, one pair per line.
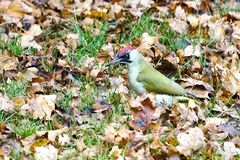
163, 11
18, 101
187, 113
100, 107
48, 152
178, 25
231, 128
192, 51
229, 150
198, 88
38, 143
6, 104
99, 13
138, 6
91, 151
56, 4
118, 85
116, 153
216, 30
231, 80
27, 39
142, 116
180, 13
17, 8
42, 106
7, 63
193, 20
64, 139
147, 41
117, 134
191, 141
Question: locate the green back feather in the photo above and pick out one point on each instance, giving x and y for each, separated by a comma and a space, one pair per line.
156, 82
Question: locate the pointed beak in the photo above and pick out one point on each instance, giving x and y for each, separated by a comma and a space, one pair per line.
115, 60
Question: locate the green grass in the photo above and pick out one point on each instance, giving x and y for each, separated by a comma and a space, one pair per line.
171, 39
136, 29
225, 9
21, 125
90, 39
88, 94
90, 42
14, 88
14, 47
64, 102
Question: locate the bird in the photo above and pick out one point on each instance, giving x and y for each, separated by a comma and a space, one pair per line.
143, 77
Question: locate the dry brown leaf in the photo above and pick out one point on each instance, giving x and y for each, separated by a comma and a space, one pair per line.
56, 4
187, 113
231, 80
64, 139
229, 150
80, 145
41, 106
99, 13
193, 20
137, 6
27, 39
116, 153
38, 143
18, 101
48, 152
216, 30
192, 51
7, 63
30, 73
6, 104
142, 117
117, 134
180, 13
198, 88
72, 41
191, 141
17, 8
91, 152
118, 85
193, 4
53, 135
116, 8
178, 25
62, 48
236, 32
147, 41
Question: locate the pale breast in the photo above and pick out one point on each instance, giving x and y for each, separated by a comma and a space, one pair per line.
133, 71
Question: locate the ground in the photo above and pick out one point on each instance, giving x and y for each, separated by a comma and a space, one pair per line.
58, 100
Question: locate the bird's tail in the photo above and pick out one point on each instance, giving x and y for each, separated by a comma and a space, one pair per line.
189, 95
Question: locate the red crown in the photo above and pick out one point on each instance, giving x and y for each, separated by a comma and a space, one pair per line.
123, 50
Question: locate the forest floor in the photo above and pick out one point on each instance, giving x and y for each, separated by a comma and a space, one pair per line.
58, 100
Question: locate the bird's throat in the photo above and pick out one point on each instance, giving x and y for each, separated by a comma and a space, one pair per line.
133, 70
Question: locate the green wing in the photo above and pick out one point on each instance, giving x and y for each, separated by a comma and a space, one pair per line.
156, 82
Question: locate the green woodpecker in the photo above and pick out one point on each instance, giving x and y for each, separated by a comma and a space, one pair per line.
143, 77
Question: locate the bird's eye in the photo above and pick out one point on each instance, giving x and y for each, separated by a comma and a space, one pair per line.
125, 58
127, 55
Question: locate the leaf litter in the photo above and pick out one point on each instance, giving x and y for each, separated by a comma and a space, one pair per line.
89, 111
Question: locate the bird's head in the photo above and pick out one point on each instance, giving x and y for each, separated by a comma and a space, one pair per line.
126, 54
